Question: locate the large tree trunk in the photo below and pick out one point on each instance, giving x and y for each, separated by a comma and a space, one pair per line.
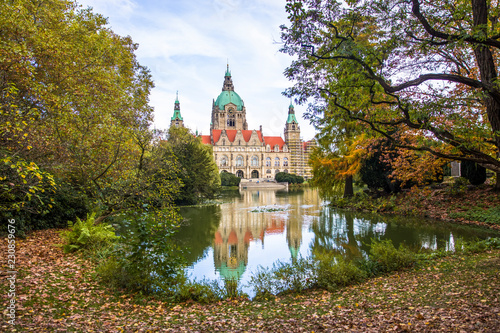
487, 69
348, 188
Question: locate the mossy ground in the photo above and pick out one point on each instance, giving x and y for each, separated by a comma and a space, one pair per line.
59, 292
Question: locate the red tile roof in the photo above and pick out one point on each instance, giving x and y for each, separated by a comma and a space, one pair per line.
231, 134
216, 135
247, 134
273, 141
205, 139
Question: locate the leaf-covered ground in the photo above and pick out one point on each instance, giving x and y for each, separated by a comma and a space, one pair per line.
59, 293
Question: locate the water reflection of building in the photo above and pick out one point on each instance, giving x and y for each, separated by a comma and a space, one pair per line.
239, 227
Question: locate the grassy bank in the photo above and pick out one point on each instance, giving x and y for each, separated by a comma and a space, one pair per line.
60, 292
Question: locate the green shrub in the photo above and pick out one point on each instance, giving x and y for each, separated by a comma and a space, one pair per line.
86, 235
284, 177
333, 272
229, 179
146, 259
477, 246
52, 208
388, 258
202, 292
283, 277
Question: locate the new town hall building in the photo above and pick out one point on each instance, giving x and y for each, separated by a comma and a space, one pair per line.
249, 153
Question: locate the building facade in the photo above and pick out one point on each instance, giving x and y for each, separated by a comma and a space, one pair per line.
249, 153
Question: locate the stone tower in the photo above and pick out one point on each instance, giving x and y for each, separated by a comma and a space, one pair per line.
228, 110
292, 139
176, 119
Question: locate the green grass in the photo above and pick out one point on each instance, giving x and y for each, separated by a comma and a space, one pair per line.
491, 215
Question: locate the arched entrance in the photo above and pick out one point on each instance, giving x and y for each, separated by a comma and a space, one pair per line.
255, 174
239, 173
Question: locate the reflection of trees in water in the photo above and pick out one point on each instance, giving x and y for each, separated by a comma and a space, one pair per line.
334, 232
196, 234
350, 233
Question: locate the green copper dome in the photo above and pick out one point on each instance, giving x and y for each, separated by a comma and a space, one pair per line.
229, 96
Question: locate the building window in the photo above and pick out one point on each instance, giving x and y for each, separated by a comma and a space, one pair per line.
277, 162
285, 171
224, 161
255, 161
285, 161
268, 171
268, 161
285, 148
276, 148
268, 148
239, 161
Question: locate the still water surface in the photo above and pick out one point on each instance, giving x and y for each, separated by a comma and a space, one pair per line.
232, 239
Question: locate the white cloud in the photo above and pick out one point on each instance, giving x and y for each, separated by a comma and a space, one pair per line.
186, 45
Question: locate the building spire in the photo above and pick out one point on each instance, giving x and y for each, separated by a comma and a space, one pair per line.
291, 114
177, 118
228, 81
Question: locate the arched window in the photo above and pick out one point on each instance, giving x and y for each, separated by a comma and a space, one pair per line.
285, 148
224, 161
268, 171
285, 161
239, 161
268, 148
268, 161
277, 162
276, 148
223, 142
255, 161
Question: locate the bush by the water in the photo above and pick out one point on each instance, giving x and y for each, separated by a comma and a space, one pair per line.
388, 258
146, 259
284, 177
328, 271
229, 179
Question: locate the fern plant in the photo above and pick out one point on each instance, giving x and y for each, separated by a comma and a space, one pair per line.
85, 234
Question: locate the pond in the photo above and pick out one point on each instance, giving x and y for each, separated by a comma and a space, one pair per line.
258, 228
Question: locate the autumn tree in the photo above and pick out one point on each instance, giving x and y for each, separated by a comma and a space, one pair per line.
339, 153
74, 109
422, 74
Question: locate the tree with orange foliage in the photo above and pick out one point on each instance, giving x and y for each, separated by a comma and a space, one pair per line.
338, 155
426, 70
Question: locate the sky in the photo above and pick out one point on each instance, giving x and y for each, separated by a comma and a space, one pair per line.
187, 46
